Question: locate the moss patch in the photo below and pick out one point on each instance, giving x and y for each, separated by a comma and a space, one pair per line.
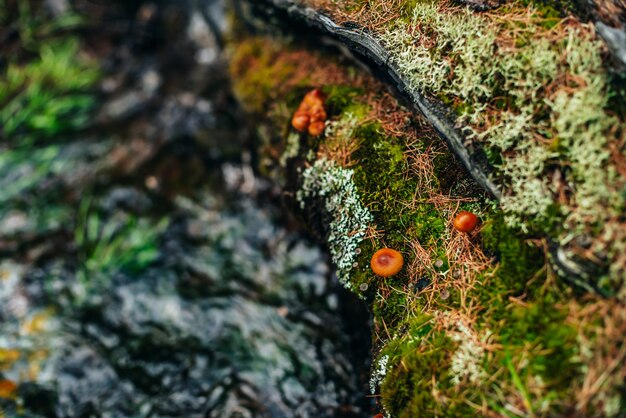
529, 85
475, 324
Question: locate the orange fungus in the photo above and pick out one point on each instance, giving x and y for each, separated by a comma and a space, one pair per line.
7, 389
316, 128
387, 262
311, 115
465, 221
300, 121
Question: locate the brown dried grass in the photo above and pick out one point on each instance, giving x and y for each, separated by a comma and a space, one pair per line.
602, 330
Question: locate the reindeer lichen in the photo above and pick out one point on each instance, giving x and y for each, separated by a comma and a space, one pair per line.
349, 219
538, 97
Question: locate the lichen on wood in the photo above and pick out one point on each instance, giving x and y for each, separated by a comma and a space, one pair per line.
475, 324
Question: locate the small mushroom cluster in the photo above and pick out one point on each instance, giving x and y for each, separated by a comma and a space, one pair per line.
311, 115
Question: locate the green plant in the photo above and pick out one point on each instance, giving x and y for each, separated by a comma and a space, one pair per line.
45, 89
121, 243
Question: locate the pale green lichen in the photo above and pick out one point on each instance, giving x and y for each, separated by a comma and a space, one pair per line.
343, 128
467, 359
349, 219
292, 147
541, 106
379, 373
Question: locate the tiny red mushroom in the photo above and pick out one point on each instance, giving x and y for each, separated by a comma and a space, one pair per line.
465, 221
387, 262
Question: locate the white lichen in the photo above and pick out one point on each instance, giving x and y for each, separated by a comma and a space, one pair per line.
349, 219
292, 148
379, 373
467, 360
345, 127
537, 98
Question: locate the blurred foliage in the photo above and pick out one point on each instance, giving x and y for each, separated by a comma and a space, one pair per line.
20, 170
120, 243
44, 87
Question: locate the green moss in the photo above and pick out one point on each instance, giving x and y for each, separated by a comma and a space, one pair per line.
555, 10
519, 261
379, 177
391, 311
340, 97
540, 350
543, 325
537, 341
417, 372
432, 359
381, 156
257, 72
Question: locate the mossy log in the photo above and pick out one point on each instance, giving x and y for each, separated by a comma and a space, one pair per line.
475, 324
367, 48
359, 43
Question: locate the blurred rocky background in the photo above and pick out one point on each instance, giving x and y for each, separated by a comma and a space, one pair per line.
145, 269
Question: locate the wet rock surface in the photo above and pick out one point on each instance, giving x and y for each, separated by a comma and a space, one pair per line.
146, 271
235, 316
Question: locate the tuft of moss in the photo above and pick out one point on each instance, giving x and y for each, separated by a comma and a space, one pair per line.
519, 260
416, 380
259, 85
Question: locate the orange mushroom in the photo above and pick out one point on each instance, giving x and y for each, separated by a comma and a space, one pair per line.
311, 115
301, 120
8, 389
318, 113
387, 262
313, 97
316, 128
465, 221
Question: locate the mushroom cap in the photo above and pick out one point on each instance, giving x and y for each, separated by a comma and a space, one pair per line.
465, 221
387, 262
318, 113
316, 128
313, 97
300, 121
